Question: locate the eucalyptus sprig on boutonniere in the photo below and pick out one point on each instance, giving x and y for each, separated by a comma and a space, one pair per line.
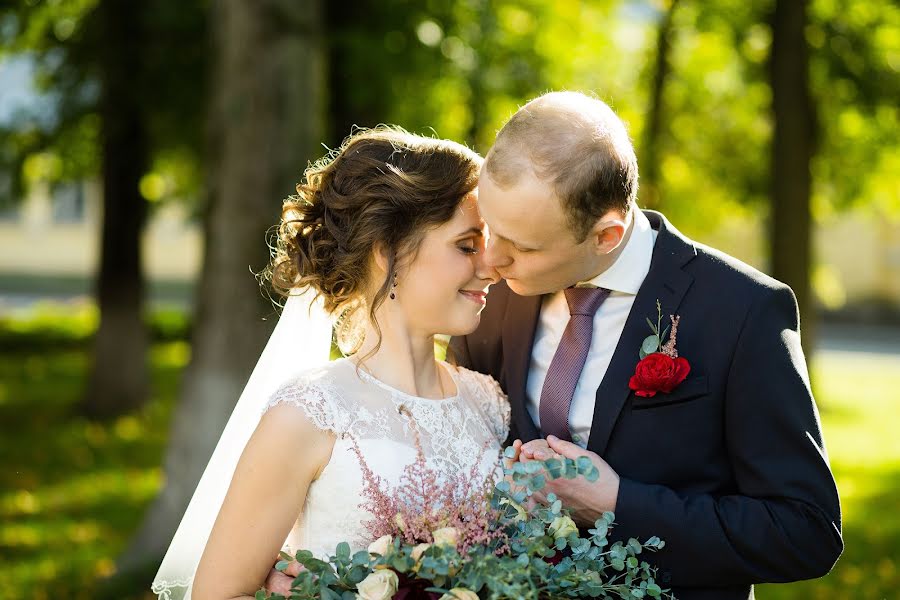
660, 368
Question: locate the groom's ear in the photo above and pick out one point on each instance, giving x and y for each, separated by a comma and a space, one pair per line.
608, 233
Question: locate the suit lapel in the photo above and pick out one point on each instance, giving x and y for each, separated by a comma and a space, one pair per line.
519, 325
667, 282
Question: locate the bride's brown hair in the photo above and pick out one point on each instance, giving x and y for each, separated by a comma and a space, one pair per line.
383, 187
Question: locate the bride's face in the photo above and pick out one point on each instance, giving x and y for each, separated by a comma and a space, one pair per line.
443, 290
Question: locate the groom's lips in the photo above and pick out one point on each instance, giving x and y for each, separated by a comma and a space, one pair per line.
476, 296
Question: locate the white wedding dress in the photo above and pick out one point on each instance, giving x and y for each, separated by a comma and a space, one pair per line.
457, 434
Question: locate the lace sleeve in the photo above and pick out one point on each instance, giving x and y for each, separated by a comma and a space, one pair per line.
317, 400
493, 402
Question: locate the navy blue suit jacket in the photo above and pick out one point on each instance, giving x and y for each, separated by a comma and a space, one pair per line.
730, 467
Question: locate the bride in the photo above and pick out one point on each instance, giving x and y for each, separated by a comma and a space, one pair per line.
385, 239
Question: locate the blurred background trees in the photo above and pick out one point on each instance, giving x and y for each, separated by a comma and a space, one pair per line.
768, 129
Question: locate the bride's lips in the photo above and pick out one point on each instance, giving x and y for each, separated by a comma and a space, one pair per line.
476, 296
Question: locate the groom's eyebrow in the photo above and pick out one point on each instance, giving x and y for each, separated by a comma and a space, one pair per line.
514, 242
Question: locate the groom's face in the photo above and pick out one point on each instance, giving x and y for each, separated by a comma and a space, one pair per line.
531, 243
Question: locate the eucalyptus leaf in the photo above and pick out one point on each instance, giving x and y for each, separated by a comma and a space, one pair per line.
326, 593
650, 344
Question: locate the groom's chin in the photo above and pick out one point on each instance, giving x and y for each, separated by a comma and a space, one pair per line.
522, 289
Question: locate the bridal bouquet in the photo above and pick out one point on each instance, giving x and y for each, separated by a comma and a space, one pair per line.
466, 539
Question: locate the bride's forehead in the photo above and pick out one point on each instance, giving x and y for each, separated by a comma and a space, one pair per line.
468, 209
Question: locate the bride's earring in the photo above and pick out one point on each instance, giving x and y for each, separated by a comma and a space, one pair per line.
394, 287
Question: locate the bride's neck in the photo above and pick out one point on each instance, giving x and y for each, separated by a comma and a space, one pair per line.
404, 360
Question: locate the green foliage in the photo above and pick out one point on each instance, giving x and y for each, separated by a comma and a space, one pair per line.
543, 554
718, 100
64, 43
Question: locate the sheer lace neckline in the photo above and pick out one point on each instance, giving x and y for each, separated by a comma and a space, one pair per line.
366, 376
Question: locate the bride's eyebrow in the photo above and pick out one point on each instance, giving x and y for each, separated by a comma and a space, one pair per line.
471, 231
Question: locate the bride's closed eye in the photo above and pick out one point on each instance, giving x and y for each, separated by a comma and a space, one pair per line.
471, 245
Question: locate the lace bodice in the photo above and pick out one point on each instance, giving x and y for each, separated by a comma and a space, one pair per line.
456, 433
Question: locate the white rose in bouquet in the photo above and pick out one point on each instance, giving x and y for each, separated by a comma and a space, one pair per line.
418, 551
563, 527
521, 513
460, 594
381, 545
446, 536
380, 585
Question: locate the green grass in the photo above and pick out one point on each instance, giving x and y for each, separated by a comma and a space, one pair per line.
73, 491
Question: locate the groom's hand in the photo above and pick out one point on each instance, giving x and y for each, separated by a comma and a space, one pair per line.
587, 500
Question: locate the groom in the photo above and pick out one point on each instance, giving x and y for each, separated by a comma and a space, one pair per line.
727, 463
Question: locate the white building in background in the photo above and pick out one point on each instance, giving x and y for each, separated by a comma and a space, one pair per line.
55, 231
57, 234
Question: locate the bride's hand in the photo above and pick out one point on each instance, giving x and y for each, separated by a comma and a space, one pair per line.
509, 462
279, 582
537, 449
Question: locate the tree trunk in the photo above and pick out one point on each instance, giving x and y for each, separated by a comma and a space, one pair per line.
792, 150
118, 380
650, 146
265, 123
349, 25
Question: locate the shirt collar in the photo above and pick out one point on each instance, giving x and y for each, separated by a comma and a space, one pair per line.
628, 272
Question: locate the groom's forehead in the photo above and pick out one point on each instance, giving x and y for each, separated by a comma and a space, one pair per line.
520, 226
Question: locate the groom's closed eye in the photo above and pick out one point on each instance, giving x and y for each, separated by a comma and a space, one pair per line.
517, 246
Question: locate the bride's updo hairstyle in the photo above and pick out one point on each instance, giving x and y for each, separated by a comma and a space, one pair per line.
384, 187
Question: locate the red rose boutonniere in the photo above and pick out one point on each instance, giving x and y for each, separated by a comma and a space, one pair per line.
660, 368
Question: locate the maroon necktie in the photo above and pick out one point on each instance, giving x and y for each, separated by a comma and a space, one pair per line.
565, 368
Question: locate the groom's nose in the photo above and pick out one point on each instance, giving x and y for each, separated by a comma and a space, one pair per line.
486, 272
494, 254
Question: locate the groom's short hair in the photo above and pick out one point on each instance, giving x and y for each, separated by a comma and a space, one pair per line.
576, 144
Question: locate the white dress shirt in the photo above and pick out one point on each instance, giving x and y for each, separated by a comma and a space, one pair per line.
624, 279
